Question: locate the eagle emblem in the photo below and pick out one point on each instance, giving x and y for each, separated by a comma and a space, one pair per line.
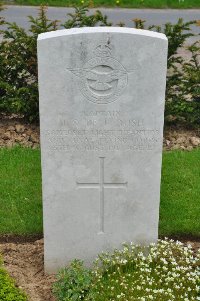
102, 79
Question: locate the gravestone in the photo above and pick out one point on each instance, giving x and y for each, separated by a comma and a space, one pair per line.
102, 93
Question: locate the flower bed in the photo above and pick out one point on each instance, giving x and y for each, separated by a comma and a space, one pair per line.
164, 271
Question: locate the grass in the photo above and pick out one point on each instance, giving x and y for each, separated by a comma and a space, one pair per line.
20, 192
180, 194
114, 3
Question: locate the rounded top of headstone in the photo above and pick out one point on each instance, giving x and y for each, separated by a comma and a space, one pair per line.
87, 30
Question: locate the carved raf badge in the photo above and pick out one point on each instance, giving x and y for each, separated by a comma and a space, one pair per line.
102, 79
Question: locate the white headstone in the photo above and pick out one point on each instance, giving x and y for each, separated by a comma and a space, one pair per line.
102, 93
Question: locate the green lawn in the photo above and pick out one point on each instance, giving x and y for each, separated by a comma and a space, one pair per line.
20, 192
180, 193
120, 3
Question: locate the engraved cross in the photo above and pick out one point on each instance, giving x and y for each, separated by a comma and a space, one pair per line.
101, 185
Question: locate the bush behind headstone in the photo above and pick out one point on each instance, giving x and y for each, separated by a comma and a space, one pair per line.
18, 65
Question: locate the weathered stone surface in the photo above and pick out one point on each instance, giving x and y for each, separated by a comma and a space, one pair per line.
195, 141
175, 147
101, 117
2, 142
2, 131
7, 135
34, 138
19, 128
11, 128
189, 148
181, 140
19, 138
16, 131
168, 142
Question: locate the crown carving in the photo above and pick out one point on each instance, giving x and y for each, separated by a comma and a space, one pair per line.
103, 50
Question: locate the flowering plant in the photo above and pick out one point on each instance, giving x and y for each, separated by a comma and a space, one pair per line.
164, 271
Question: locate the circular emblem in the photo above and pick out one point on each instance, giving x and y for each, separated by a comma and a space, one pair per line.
102, 79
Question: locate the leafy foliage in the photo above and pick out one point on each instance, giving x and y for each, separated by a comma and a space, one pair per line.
18, 72
8, 290
18, 65
1, 8
176, 33
72, 282
164, 271
183, 77
18, 59
183, 89
80, 18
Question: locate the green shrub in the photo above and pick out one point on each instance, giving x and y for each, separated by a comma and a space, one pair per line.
8, 290
80, 18
18, 65
18, 61
73, 282
183, 89
183, 76
164, 271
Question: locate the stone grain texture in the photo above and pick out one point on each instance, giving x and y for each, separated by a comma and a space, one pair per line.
102, 93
